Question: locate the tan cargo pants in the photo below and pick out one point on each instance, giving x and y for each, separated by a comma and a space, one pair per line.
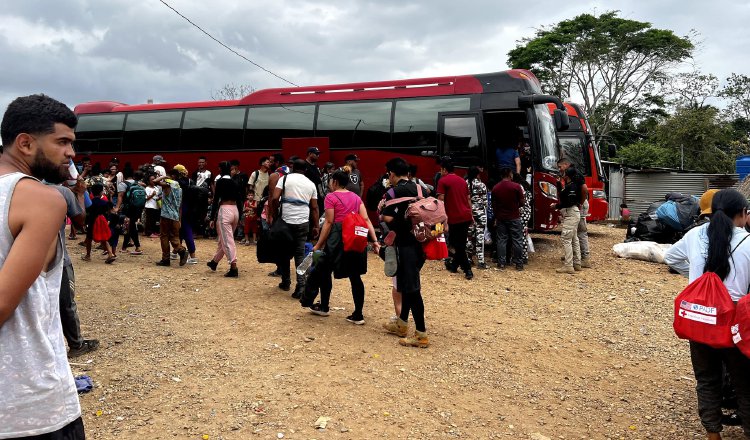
569, 235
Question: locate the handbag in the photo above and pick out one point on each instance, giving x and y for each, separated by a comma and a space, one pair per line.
280, 234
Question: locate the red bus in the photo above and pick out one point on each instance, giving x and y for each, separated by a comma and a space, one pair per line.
465, 117
577, 143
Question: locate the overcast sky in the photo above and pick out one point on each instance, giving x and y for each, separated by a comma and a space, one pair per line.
130, 51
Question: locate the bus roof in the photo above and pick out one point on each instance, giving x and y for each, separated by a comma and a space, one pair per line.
517, 80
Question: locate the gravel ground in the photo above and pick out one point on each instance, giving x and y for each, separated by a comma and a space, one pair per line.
187, 353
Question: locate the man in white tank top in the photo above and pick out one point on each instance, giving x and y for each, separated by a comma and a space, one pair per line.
37, 391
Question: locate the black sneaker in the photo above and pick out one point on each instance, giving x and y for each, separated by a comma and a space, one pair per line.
297, 294
232, 273
318, 309
285, 286
501, 266
356, 319
88, 346
519, 267
275, 273
469, 274
212, 264
451, 268
183, 256
165, 263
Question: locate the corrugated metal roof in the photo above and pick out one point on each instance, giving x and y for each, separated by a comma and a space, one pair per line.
642, 189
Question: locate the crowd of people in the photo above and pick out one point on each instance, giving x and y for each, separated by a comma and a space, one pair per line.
295, 201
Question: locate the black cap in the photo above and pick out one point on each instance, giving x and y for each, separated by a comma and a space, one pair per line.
313, 150
351, 157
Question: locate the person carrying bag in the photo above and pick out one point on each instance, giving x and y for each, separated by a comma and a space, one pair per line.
716, 251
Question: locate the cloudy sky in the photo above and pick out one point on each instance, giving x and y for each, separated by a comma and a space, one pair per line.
130, 51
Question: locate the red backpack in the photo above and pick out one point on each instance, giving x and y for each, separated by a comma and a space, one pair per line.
704, 312
741, 327
354, 233
436, 249
427, 214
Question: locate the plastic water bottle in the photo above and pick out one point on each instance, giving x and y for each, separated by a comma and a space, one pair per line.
304, 266
73, 171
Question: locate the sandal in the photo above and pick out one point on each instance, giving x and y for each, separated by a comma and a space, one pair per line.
136, 252
85, 257
110, 260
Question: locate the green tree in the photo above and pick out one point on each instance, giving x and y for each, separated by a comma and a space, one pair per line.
737, 92
644, 154
693, 89
611, 62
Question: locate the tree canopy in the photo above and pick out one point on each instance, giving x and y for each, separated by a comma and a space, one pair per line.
611, 62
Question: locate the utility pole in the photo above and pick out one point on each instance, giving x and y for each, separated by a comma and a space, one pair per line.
682, 157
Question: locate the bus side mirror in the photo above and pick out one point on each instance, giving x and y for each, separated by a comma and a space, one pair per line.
611, 150
561, 120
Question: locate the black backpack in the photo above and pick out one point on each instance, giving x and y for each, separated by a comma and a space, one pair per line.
375, 194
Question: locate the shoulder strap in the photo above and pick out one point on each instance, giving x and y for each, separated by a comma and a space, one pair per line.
257, 176
419, 191
738, 244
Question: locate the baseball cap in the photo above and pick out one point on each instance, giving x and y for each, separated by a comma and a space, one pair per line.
351, 157
181, 169
158, 158
706, 199
313, 150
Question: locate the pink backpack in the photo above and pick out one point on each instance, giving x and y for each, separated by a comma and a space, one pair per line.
427, 214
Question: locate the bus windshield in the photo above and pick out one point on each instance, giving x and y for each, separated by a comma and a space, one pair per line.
546, 138
574, 149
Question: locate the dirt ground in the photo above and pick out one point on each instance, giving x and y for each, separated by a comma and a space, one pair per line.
189, 354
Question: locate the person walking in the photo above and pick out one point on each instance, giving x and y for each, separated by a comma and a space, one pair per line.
37, 392
410, 257
507, 201
225, 217
294, 202
169, 223
475, 239
454, 191
133, 204
342, 264
153, 197
568, 206
722, 247
356, 185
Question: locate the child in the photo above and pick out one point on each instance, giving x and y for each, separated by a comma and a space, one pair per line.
153, 195
250, 210
624, 214
97, 228
118, 225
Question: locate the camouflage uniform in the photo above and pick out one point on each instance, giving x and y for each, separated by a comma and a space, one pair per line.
475, 240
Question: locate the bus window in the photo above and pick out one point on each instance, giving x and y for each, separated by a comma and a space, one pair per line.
355, 125
546, 136
460, 139
152, 131
206, 130
99, 133
574, 149
416, 120
267, 125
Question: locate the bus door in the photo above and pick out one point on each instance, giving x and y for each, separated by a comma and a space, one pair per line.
461, 136
298, 147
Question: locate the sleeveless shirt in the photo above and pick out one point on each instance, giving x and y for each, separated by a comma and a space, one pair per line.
37, 391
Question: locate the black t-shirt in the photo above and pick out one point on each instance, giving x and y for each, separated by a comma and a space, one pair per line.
570, 195
313, 173
400, 224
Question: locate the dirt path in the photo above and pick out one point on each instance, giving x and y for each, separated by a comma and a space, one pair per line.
187, 353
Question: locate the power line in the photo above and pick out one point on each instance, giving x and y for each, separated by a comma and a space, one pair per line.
227, 47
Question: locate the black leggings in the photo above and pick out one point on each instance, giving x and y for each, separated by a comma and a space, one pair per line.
413, 301
321, 279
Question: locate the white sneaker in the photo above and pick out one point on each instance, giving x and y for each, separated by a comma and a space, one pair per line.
173, 256
192, 260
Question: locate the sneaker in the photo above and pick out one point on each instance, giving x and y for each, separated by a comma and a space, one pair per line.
192, 260
419, 340
136, 252
398, 328
212, 264
232, 273
165, 263
469, 274
183, 256
297, 294
566, 269
88, 346
449, 265
173, 256
391, 261
586, 263
501, 266
356, 319
285, 286
577, 267
482, 265
275, 273
318, 309
519, 267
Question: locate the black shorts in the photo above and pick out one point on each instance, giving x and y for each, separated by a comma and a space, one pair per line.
410, 262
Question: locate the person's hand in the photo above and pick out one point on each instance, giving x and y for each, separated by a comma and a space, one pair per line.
552, 205
317, 247
212, 224
315, 231
376, 248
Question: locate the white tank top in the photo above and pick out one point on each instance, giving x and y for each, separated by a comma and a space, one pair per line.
37, 390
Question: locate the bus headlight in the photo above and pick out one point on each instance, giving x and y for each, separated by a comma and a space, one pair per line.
548, 189
599, 194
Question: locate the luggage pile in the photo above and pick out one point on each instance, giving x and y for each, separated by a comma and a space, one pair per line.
665, 221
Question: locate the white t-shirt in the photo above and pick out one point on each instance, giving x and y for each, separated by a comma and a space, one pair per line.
151, 203
158, 169
296, 198
693, 249
202, 177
